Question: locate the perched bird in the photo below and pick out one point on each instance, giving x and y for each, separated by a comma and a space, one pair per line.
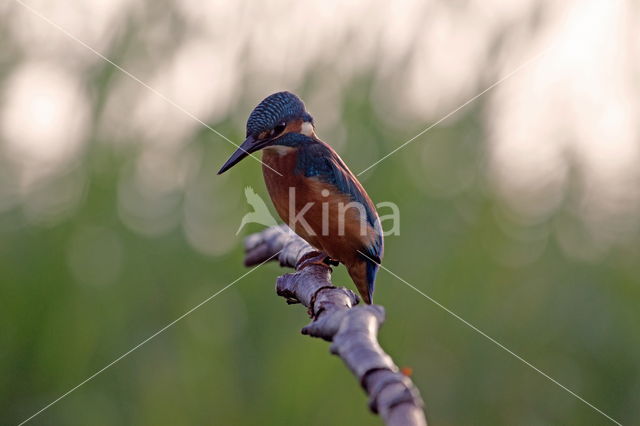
312, 189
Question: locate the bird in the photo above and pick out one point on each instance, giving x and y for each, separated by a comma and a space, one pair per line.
260, 213
313, 190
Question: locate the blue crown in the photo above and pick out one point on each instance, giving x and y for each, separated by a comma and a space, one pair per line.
281, 106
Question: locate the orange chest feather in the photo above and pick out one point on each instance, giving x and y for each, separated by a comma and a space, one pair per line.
321, 204
279, 176
290, 191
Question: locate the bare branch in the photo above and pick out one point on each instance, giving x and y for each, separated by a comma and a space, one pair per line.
336, 317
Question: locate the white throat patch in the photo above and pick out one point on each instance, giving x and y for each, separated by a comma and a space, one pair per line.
306, 129
279, 149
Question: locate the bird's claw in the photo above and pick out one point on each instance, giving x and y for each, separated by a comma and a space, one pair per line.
319, 259
330, 261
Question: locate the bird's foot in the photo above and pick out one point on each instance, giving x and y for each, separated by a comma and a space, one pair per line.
316, 258
331, 262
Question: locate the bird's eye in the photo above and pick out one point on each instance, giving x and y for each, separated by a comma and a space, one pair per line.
279, 128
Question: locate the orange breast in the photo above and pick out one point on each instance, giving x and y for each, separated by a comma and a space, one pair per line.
325, 219
278, 171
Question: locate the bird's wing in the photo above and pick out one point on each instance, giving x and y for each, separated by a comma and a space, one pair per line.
317, 159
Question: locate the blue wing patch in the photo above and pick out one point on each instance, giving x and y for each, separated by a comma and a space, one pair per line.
318, 160
315, 159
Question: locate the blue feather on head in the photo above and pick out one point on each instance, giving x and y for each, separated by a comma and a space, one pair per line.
276, 108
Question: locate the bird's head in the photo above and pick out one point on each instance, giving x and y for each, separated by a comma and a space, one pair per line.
275, 116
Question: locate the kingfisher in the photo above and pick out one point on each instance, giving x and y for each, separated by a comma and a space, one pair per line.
313, 190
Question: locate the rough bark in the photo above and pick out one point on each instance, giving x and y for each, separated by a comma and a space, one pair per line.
338, 318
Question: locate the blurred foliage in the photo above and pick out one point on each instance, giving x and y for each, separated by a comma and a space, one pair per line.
239, 359
78, 293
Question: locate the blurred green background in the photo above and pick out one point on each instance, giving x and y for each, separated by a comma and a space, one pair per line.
519, 212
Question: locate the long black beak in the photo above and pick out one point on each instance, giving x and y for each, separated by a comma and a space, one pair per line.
247, 147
